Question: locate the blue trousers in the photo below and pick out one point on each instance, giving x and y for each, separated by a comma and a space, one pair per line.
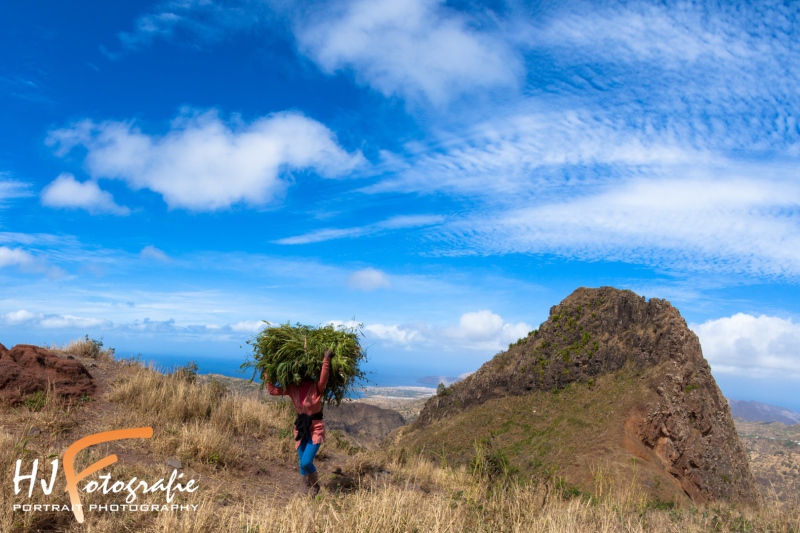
306, 452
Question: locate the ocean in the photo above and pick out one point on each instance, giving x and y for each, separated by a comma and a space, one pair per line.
377, 375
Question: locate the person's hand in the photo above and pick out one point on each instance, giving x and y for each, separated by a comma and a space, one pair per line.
328, 353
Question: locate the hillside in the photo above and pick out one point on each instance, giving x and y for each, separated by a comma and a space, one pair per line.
774, 453
610, 386
239, 451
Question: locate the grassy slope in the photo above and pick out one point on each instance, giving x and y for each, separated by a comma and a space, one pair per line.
578, 433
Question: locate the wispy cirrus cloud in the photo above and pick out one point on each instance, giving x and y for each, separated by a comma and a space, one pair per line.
205, 164
725, 223
189, 22
11, 189
717, 75
523, 154
393, 223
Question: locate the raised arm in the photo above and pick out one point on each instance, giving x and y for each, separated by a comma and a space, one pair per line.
325, 372
273, 390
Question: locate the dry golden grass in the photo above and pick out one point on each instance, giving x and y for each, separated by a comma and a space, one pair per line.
437, 501
221, 436
86, 347
201, 421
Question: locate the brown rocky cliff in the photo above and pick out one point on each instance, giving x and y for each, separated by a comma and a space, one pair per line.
682, 423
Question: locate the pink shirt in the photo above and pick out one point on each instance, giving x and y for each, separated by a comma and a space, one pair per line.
307, 399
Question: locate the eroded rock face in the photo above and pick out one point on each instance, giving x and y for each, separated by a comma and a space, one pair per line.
26, 369
368, 424
690, 430
683, 421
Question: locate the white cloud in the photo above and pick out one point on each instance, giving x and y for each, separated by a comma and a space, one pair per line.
393, 223
476, 331
71, 321
758, 347
52, 321
251, 326
24, 260
488, 329
368, 279
513, 332
66, 192
326, 234
204, 164
393, 333
414, 48
725, 224
22, 316
479, 325
15, 257
151, 252
29, 320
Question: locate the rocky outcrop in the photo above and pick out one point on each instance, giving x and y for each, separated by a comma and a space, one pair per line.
367, 424
26, 369
679, 419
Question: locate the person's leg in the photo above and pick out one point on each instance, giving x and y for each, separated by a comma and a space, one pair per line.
307, 466
300, 451
307, 457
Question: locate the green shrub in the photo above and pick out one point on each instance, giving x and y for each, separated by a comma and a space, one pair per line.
187, 373
36, 401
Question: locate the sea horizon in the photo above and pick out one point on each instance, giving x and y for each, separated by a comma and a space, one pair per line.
377, 375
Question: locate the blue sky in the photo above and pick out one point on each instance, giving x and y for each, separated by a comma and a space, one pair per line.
172, 173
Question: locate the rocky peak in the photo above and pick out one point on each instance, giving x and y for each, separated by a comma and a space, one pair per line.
591, 332
681, 421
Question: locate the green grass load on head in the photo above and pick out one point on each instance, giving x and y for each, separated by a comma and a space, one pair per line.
292, 354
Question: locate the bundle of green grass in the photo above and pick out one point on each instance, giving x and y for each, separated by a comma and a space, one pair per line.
292, 354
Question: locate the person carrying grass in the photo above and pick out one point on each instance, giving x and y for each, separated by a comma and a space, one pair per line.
309, 428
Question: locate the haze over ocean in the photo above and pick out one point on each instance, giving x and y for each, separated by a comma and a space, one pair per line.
174, 173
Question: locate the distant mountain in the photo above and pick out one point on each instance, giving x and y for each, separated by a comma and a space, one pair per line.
762, 412
433, 381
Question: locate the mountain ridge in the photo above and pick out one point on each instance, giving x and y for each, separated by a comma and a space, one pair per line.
763, 412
